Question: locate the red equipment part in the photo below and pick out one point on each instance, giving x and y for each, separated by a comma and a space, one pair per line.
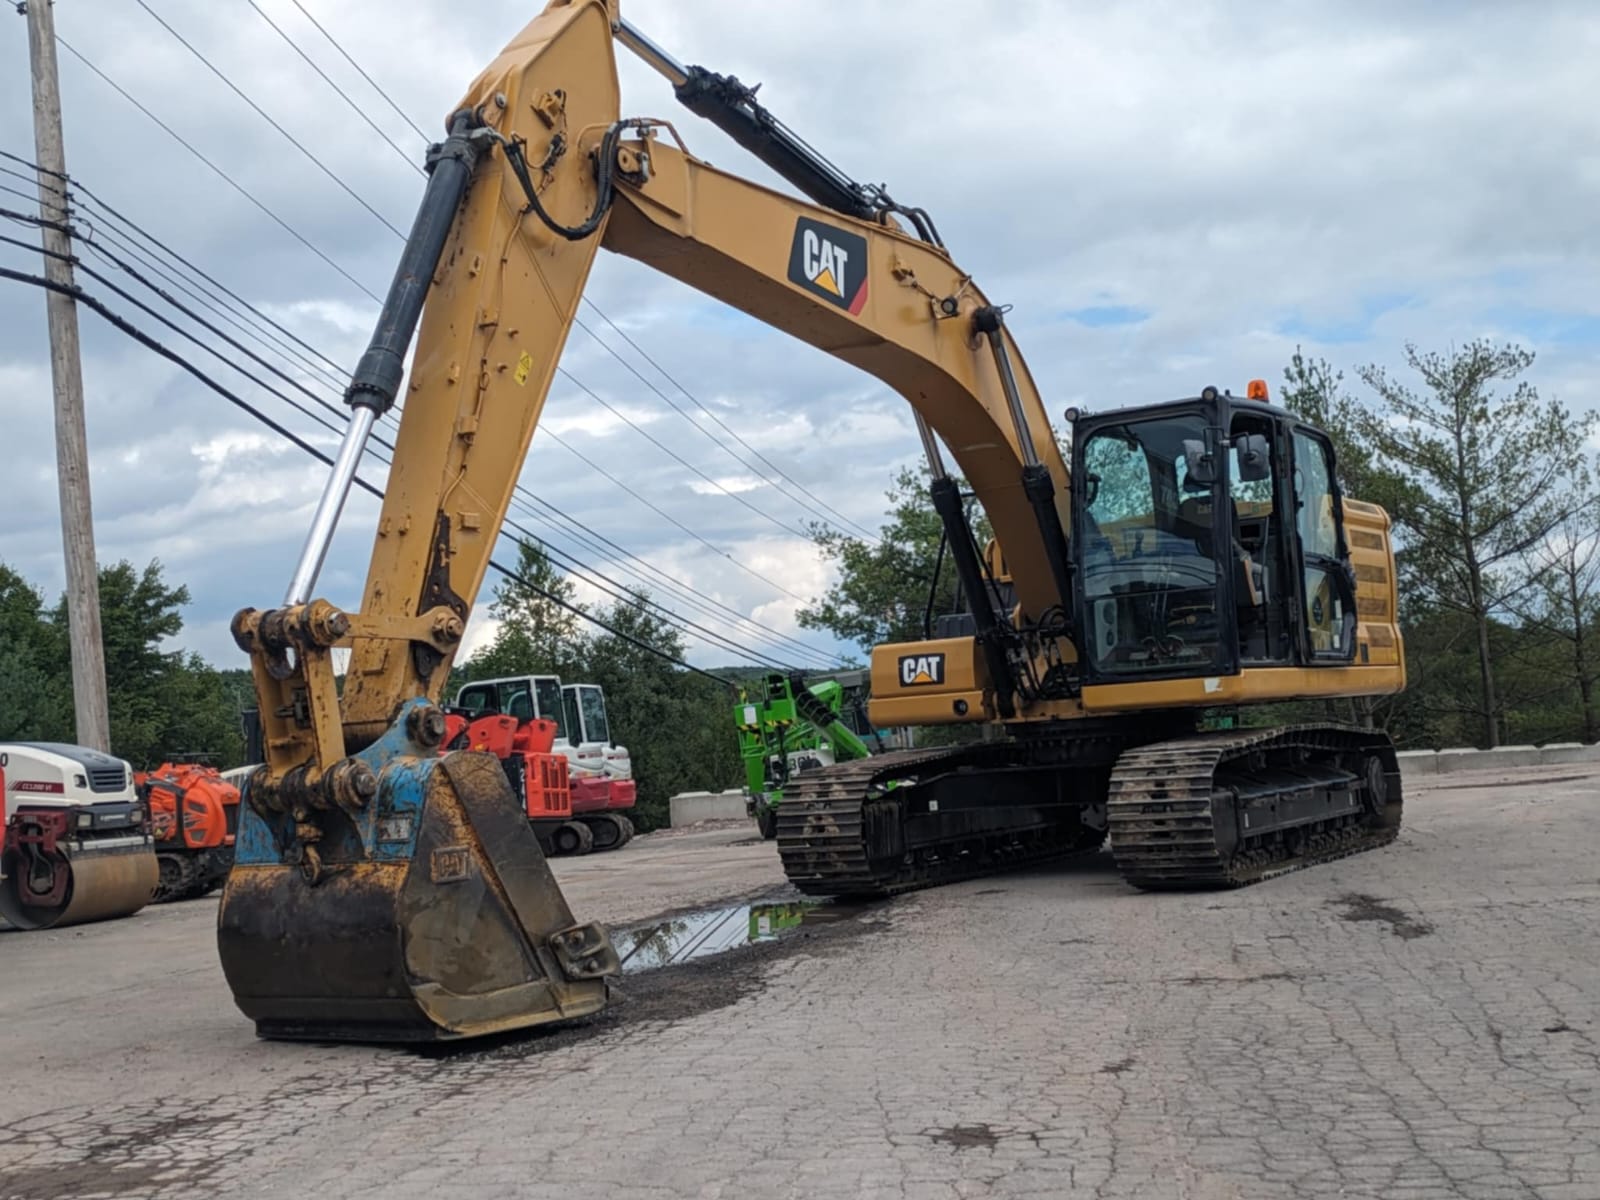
36, 841
596, 793
538, 777
548, 793
541, 781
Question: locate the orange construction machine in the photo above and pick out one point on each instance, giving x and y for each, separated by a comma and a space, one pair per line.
194, 813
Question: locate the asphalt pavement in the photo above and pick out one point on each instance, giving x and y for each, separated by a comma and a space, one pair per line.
1413, 1023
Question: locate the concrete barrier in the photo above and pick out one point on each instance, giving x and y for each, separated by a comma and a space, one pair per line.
1512, 756
1418, 762
1501, 758
690, 808
1561, 753
1460, 758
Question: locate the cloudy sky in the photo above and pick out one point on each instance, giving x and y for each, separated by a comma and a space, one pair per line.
1170, 194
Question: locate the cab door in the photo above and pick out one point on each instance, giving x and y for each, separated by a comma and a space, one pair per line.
1327, 594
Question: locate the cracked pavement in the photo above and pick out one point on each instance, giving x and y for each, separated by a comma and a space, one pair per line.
1414, 1023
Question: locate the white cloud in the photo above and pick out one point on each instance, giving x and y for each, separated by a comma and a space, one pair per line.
728, 485
1342, 176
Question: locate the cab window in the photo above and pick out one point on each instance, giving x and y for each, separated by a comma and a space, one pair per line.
1149, 560
1329, 615
594, 714
478, 700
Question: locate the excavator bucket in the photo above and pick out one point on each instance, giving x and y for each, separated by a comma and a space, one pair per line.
426, 913
45, 885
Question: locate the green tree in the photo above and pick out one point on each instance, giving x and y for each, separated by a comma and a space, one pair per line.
1483, 469
882, 589
1565, 606
162, 701
537, 635
1314, 391
674, 722
34, 704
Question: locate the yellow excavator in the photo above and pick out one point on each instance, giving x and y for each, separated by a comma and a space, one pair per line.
1179, 559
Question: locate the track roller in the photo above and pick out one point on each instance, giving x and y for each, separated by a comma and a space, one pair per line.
572, 837
180, 873
609, 831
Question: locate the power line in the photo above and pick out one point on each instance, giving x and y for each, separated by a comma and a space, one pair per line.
592, 576
151, 343
343, 95
804, 497
667, 375
256, 107
673, 454
266, 327
596, 540
370, 80
262, 113
660, 512
682, 412
680, 591
226, 178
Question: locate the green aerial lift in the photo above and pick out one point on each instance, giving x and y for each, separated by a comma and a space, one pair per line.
792, 726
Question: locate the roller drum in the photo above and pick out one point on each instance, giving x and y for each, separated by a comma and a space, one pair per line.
100, 885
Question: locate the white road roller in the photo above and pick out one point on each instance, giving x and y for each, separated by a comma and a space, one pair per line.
76, 838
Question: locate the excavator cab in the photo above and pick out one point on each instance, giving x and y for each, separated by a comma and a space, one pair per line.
1210, 537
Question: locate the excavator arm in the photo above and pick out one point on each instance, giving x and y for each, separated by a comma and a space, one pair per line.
383, 890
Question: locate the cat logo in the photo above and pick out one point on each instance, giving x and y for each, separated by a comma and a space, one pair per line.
918, 670
829, 263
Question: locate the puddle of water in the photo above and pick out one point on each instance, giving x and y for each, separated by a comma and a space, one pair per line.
696, 935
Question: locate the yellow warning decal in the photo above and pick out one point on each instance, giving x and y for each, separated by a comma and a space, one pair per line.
524, 366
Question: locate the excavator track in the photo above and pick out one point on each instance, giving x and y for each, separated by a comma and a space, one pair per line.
1203, 810
830, 819
1221, 810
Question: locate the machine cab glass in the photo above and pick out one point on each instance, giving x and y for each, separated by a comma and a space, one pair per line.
586, 713
1209, 537
524, 697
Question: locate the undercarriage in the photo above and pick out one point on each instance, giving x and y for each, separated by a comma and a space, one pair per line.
1191, 810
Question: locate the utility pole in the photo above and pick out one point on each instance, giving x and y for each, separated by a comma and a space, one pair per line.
66, 374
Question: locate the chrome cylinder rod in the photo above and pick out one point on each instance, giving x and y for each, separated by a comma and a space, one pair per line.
326, 519
677, 74
930, 447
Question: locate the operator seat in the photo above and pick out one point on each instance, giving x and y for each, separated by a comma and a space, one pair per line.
1193, 521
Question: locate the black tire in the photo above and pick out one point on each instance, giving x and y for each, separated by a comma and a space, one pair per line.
767, 821
572, 837
608, 829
